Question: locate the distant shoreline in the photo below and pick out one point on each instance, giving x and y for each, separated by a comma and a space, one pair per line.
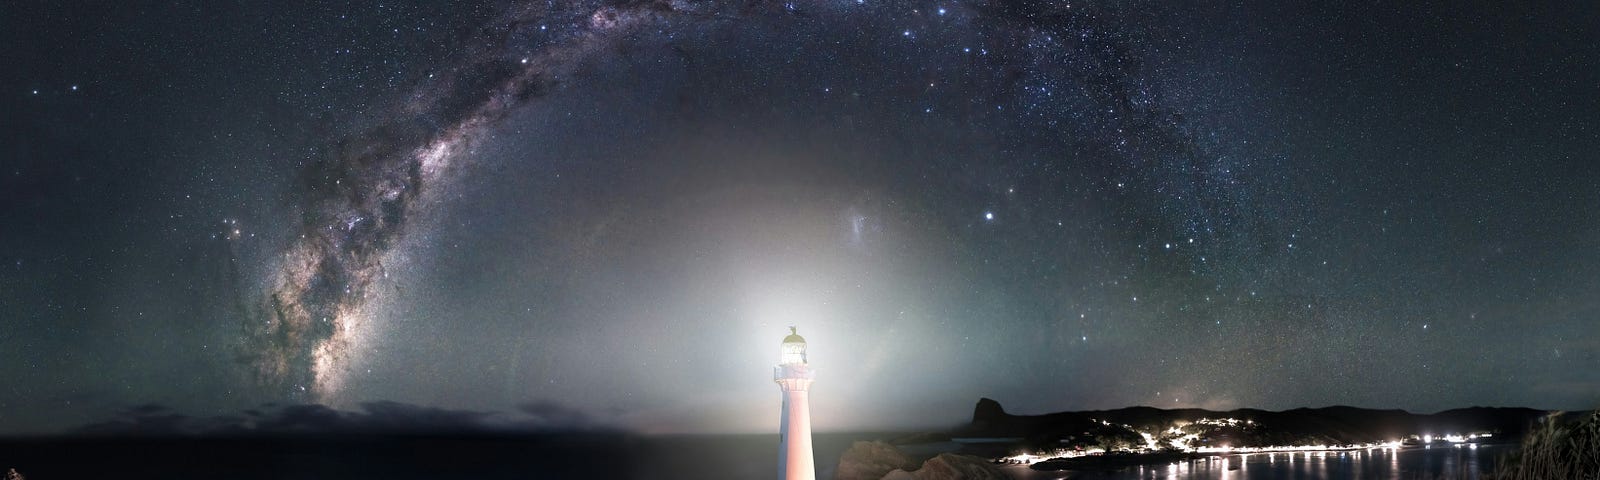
1117, 462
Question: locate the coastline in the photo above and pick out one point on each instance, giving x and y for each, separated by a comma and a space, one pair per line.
1318, 464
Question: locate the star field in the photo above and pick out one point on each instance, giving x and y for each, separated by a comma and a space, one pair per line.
619, 206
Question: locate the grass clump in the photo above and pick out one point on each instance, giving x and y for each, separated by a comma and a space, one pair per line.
1555, 450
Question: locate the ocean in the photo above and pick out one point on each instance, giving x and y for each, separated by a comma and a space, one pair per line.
1419, 464
755, 457
707, 457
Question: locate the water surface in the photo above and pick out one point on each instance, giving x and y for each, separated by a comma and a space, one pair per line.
1428, 463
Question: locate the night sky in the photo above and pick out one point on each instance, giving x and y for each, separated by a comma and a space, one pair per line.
616, 208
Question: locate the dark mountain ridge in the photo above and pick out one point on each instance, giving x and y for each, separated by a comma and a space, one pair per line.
1248, 427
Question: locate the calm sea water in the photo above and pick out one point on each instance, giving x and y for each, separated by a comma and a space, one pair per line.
1429, 464
715, 457
755, 457
706, 457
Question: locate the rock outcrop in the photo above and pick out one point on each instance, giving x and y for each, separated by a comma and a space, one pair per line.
949, 466
988, 410
871, 461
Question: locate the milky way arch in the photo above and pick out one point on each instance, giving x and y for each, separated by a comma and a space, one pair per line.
360, 198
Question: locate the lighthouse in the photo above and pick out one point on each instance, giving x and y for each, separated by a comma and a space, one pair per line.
794, 377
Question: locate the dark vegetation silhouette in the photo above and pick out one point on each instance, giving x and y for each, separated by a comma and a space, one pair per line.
1555, 449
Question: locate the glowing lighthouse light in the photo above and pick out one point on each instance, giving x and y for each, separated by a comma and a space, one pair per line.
794, 377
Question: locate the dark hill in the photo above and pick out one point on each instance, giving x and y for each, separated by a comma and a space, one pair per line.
1336, 425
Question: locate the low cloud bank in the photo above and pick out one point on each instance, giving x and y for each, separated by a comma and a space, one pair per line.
379, 417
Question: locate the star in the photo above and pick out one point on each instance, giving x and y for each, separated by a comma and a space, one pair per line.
420, 138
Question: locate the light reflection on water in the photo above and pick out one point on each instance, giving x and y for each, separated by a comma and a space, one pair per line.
1429, 463
746, 457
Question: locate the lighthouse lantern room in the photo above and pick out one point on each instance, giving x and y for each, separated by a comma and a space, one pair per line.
794, 377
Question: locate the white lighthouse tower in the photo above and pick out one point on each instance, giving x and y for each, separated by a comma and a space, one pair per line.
794, 437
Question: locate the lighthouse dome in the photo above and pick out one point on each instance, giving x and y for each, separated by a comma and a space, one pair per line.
794, 337
794, 349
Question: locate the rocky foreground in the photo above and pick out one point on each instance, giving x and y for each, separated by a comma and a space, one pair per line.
882, 461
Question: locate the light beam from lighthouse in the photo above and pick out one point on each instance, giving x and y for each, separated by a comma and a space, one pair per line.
794, 378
